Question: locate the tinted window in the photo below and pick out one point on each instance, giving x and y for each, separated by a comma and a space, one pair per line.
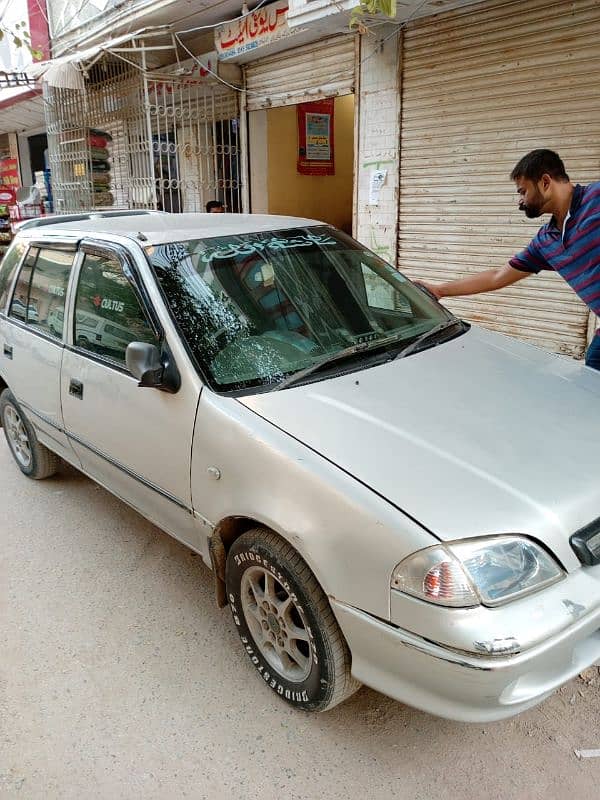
20, 300
107, 313
48, 290
7, 270
39, 296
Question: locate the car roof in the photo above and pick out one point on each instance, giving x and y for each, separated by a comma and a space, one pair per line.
161, 228
52, 219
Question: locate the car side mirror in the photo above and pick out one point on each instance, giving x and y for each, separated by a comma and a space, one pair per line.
152, 367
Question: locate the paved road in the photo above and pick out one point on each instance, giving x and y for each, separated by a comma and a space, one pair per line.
121, 679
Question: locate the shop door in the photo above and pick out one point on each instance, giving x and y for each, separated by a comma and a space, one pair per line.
286, 93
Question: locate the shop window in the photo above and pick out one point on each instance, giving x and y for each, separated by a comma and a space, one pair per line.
108, 315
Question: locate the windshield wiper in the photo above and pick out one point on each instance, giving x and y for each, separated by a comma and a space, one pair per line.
411, 347
363, 347
347, 352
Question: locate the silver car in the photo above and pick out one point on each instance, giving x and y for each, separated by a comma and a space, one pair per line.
385, 494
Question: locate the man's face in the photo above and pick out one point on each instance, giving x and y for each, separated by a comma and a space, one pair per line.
532, 197
217, 210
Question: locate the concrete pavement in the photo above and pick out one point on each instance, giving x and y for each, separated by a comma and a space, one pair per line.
121, 679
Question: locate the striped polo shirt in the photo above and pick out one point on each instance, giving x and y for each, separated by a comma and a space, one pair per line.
573, 252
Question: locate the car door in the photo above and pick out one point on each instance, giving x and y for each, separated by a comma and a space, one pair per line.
32, 345
135, 441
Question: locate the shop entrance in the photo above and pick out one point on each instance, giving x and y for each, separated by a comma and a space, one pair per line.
301, 115
277, 183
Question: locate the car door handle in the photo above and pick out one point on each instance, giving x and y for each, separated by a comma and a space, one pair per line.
76, 388
8, 351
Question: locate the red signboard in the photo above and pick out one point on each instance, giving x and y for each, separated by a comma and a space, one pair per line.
9, 172
315, 138
7, 195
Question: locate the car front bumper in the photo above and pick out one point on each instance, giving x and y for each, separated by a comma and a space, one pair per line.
463, 686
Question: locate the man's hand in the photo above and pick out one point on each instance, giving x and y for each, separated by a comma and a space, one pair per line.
486, 281
436, 291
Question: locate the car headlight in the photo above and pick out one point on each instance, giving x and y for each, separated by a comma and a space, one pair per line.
488, 571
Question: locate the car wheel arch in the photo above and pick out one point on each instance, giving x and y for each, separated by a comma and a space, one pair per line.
226, 532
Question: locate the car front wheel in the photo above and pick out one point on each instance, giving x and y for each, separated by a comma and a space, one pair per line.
286, 624
33, 459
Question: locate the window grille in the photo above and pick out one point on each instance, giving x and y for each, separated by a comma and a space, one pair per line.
138, 139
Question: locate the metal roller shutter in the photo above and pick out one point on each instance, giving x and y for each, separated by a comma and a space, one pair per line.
322, 69
480, 88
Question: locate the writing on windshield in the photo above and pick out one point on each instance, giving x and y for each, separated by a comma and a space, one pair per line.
256, 307
273, 244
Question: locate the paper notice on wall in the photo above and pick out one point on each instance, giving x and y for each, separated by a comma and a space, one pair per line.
376, 181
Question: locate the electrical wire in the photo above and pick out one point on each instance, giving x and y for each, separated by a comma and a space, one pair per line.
396, 32
216, 24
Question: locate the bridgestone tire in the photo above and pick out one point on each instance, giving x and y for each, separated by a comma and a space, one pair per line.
286, 624
42, 462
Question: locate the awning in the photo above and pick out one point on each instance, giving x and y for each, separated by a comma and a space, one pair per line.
21, 109
68, 71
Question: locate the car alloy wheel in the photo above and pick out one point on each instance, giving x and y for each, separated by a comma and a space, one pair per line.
17, 436
277, 624
286, 624
32, 457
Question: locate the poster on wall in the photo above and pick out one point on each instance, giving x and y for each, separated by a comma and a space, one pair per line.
315, 138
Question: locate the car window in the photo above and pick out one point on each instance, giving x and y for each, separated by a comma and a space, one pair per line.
85, 319
20, 299
256, 307
108, 315
8, 269
48, 289
39, 296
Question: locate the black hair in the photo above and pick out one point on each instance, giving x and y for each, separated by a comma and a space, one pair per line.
538, 163
213, 204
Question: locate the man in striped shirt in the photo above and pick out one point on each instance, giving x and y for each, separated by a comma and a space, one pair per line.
569, 243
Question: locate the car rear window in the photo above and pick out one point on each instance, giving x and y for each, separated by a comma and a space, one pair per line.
8, 267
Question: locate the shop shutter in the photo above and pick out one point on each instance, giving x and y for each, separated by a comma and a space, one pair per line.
480, 88
322, 69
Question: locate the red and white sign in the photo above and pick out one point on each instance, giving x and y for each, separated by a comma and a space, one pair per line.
7, 195
263, 26
315, 137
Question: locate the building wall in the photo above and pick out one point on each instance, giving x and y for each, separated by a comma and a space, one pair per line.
326, 197
378, 138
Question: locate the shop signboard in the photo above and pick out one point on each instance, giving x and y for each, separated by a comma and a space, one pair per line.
262, 27
9, 172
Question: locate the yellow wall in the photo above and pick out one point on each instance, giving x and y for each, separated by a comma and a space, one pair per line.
326, 197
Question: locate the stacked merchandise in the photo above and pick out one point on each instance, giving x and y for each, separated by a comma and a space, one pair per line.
5, 230
99, 142
9, 181
43, 187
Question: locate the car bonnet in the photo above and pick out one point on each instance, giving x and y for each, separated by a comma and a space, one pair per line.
480, 435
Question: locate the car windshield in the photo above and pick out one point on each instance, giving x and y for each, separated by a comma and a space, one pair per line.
257, 307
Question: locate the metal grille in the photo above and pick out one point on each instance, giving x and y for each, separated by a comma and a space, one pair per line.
173, 142
467, 78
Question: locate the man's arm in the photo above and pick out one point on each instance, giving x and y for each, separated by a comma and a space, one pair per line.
487, 281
